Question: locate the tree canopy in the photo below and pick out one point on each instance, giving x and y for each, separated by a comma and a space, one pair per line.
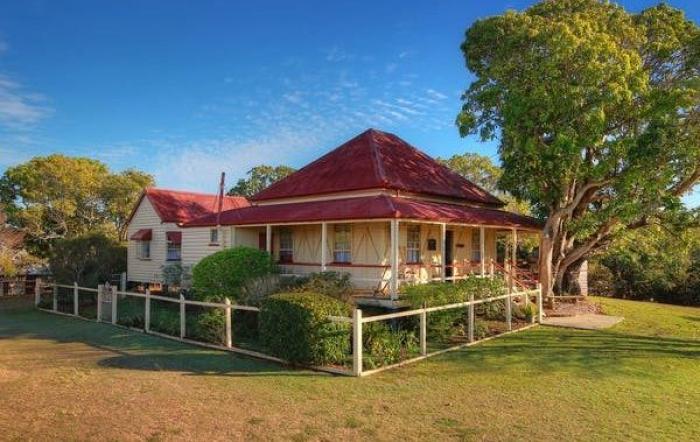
597, 114
58, 196
482, 171
259, 178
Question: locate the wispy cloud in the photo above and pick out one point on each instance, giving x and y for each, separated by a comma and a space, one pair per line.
336, 54
435, 94
20, 108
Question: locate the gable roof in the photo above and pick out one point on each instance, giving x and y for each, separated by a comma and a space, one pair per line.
377, 160
174, 206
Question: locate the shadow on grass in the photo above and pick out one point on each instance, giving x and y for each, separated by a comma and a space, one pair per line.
132, 350
557, 349
541, 349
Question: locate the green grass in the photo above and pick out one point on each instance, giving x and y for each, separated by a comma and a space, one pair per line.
70, 379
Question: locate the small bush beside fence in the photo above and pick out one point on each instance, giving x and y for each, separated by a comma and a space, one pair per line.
295, 327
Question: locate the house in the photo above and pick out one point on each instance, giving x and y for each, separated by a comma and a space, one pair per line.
155, 233
375, 207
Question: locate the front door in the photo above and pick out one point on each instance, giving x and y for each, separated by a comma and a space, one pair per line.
449, 246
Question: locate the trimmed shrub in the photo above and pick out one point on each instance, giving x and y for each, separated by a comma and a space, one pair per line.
442, 325
225, 273
208, 326
384, 346
294, 326
334, 284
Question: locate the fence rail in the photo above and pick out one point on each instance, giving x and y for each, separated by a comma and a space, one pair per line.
110, 296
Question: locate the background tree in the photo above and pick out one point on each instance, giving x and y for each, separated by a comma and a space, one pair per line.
596, 112
58, 196
259, 178
651, 263
120, 192
88, 260
482, 171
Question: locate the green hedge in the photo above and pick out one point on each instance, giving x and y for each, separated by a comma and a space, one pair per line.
226, 273
294, 326
442, 325
442, 293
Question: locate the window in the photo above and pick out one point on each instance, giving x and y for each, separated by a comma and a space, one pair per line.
413, 244
341, 243
173, 252
214, 236
144, 249
286, 246
476, 245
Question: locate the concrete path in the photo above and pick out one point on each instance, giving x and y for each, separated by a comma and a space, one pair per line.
589, 321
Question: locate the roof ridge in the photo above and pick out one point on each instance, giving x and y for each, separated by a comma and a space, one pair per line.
379, 166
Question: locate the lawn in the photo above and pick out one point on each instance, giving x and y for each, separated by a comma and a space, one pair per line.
70, 379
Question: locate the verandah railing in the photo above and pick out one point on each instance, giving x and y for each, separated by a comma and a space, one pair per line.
69, 300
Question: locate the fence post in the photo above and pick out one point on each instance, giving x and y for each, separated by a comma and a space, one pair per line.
100, 290
147, 312
539, 303
227, 311
509, 312
471, 317
37, 292
2, 288
423, 332
75, 298
55, 297
115, 311
183, 318
357, 342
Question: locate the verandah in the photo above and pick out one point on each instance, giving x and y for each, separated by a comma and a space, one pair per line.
382, 255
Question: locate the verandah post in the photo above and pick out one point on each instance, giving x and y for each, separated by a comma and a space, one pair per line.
471, 317
324, 249
37, 292
183, 323
75, 298
227, 311
357, 342
147, 311
509, 313
122, 282
115, 311
482, 249
100, 289
55, 297
443, 251
423, 332
394, 231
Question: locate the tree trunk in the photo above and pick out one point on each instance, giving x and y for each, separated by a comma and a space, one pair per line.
570, 282
546, 255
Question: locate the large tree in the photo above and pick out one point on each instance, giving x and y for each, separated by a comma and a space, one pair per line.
58, 196
259, 177
597, 115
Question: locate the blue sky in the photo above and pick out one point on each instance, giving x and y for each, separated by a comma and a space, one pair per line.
187, 89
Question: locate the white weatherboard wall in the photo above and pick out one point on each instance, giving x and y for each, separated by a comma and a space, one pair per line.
196, 245
148, 270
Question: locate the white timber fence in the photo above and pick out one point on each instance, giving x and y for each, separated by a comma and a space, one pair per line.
108, 298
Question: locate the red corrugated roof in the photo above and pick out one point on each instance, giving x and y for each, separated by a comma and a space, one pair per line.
377, 160
373, 207
174, 206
